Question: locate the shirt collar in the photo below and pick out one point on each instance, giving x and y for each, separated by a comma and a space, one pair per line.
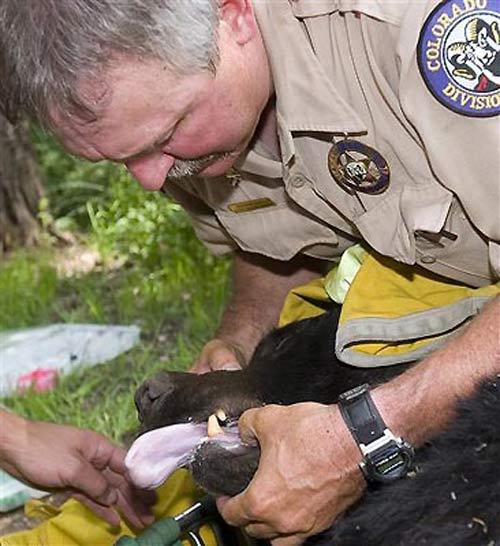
306, 99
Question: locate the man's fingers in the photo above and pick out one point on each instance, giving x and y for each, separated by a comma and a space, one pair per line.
224, 358
260, 530
116, 460
247, 425
221, 503
104, 453
135, 504
288, 541
103, 478
230, 366
218, 355
141, 497
200, 367
91, 482
133, 514
234, 511
105, 512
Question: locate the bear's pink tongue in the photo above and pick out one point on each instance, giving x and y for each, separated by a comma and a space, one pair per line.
157, 453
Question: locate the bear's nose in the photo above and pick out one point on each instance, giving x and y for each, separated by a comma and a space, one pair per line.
149, 394
142, 400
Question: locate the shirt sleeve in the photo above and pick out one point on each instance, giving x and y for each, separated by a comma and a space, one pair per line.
450, 92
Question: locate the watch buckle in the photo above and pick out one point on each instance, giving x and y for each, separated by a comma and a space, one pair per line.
381, 441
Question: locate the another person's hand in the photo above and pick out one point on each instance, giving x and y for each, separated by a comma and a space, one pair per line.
51, 456
308, 473
218, 354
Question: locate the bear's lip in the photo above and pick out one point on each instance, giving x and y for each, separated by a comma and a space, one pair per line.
156, 454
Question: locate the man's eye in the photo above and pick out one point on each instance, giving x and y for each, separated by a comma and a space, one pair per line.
167, 140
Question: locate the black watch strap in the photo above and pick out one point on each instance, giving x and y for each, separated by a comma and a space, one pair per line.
385, 456
361, 415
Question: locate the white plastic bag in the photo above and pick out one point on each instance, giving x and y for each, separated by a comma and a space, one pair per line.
60, 347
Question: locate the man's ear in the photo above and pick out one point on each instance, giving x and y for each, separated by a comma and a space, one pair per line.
238, 15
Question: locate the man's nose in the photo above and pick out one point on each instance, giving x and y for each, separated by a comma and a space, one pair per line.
151, 170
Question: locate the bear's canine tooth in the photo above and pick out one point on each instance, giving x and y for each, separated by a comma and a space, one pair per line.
221, 415
213, 427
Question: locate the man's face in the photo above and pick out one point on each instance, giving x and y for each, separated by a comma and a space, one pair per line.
161, 125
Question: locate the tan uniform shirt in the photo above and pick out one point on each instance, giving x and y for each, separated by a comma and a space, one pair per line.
350, 69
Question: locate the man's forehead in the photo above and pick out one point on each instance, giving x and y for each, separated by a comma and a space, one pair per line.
123, 88
132, 105
114, 138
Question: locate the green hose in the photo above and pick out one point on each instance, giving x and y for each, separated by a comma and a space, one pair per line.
168, 531
165, 532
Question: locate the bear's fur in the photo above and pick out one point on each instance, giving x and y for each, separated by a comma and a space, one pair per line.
454, 497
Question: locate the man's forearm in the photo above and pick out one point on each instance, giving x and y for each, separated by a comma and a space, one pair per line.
259, 289
420, 403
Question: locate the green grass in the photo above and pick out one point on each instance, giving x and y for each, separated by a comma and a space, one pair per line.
166, 283
28, 285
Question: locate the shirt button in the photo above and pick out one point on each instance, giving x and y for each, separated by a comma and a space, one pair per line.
298, 181
427, 259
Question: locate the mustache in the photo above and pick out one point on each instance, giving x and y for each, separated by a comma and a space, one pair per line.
184, 168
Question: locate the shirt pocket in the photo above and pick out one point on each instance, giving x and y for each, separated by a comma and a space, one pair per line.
279, 232
458, 251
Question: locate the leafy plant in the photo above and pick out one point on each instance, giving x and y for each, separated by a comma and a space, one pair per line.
153, 273
28, 285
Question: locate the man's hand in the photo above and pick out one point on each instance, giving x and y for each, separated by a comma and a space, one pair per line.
218, 354
51, 456
308, 473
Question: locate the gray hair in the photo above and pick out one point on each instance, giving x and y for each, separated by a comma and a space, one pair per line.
46, 46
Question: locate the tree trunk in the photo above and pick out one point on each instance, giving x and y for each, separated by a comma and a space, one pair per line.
20, 187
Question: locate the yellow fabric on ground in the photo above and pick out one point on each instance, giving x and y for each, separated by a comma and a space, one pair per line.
75, 525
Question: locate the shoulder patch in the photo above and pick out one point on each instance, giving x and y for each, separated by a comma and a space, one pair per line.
459, 56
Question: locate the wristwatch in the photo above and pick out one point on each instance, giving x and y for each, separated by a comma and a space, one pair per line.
385, 456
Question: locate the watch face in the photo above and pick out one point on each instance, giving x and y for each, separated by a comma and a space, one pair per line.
391, 462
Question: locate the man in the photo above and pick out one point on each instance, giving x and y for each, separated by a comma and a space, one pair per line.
52, 457
342, 123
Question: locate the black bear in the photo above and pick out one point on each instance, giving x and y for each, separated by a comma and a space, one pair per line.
453, 497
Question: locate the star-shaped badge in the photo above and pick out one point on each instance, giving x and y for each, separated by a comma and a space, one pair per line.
357, 167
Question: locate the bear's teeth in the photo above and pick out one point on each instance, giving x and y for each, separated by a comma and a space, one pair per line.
213, 427
221, 415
